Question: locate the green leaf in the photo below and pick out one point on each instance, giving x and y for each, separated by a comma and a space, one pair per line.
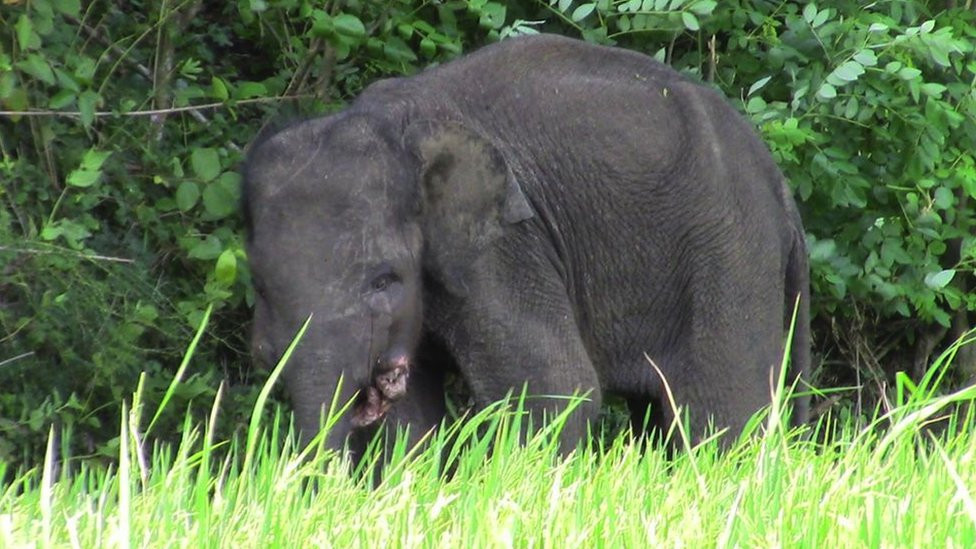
87, 101
62, 99
809, 12
940, 53
8, 83
758, 85
933, 89
146, 314
205, 163
703, 7
820, 19
690, 21
219, 89
944, 198
349, 25
16, 100
826, 91
967, 178
823, 250
225, 271
93, 159
755, 105
71, 8
405, 30
187, 195
221, 196
493, 15
397, 50
24, 29
939, 280
849, 71
208, 248
866, 58
850, 110
37, 66
85, 71
909, 73
323, 25
582, 11
247, 90
90, 169
428, 47
82, 178
51, 232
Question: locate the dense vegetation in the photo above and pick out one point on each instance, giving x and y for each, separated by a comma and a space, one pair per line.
122, 124
898, 487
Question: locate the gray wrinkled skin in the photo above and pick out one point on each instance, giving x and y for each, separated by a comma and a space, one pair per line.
540, 212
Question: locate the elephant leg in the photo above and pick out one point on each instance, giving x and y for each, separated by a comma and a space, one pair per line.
421, 410
506, 341
714, 398
641, 415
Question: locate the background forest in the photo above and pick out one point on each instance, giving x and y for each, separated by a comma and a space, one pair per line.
122, 124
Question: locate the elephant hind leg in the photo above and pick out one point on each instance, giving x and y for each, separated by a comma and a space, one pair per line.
651, 420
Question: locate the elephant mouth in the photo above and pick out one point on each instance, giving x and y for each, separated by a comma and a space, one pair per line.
388, 386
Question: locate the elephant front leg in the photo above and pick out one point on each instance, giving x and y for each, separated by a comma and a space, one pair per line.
526, 339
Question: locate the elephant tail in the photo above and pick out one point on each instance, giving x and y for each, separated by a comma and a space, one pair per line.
798, 296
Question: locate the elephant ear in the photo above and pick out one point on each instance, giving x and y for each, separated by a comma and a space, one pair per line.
468, 194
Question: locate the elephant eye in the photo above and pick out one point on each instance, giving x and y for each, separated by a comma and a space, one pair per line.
383, 281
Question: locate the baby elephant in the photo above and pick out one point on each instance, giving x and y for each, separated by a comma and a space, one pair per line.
542, 213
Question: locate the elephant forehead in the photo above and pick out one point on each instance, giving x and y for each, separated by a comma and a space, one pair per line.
300, 162
328, 189
373, 244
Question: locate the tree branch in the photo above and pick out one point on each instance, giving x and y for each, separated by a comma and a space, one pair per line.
157, 112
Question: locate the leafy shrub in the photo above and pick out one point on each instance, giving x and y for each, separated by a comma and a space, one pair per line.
118, 224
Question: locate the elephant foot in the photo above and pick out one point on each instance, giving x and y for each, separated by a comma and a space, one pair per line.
388, 386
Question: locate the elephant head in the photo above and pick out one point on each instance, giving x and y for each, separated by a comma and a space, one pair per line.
347, 215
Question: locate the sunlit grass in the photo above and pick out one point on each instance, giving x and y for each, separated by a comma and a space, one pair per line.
889, 483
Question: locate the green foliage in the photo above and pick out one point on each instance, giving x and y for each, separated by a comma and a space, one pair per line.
774, 488
123, 125
118, 224
871, 116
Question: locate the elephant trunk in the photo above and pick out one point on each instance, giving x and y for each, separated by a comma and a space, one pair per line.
312, 395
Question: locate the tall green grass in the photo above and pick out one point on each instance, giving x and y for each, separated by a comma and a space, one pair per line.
890, 482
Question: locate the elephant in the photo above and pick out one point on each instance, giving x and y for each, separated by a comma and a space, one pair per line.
544, 215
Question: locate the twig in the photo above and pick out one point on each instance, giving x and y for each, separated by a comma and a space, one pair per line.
156, 112
170, 25
11, 360
119, 52
712, 60
93, 257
